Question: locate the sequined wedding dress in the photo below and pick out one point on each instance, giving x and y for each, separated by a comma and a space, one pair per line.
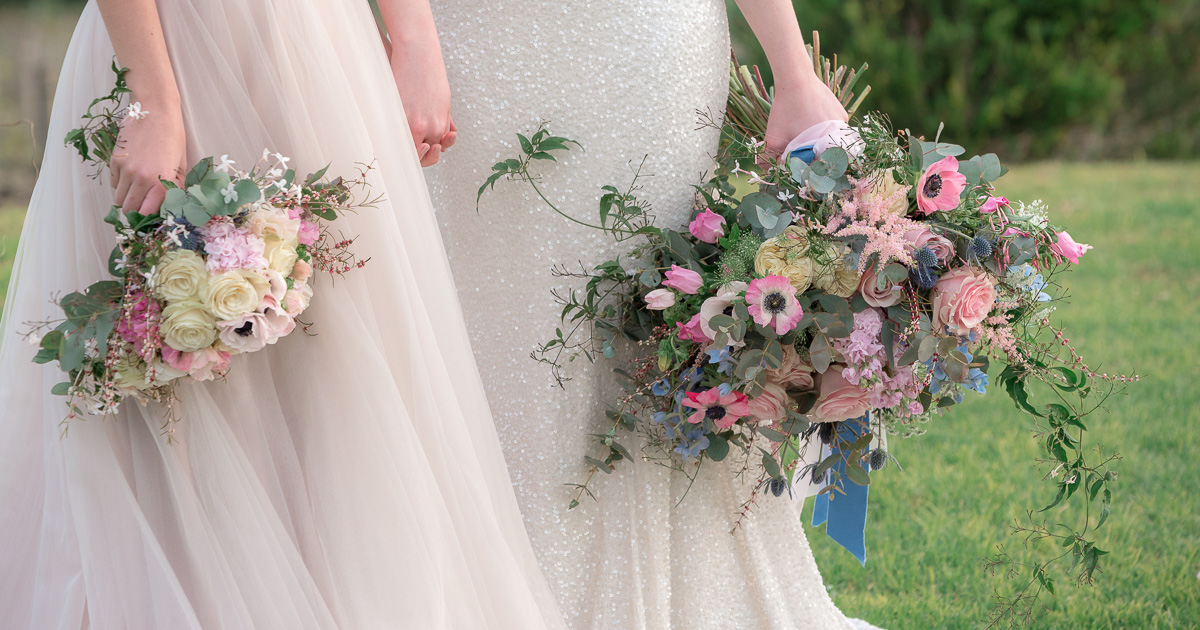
350, 480
625, 78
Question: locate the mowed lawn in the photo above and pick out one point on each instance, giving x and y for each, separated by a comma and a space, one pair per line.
1133, 307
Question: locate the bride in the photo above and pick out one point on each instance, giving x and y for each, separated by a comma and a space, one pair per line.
626, 78
350, 479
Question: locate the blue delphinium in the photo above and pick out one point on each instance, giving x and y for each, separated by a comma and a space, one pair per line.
723, 358
661, 387
692, 443
692, 376
1037, 284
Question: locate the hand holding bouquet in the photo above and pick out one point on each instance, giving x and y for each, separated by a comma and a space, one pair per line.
225, 266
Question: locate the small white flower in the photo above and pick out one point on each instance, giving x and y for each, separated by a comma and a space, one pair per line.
266, 154
275, 172
754, 143
786, 195
282, 160
280, 184
136, 112
755, 180
34, 340
229, 194
226, 164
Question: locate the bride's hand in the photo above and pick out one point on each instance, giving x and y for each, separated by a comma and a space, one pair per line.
147, 149
798, 107
420, 77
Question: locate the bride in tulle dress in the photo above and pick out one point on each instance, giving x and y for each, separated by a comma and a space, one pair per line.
626, 78
351, 479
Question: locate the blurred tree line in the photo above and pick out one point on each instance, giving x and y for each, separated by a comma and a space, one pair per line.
1087, 79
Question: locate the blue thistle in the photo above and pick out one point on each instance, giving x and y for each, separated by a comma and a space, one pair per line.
188, 238
980, 247
777, 486
924, 273
878, 459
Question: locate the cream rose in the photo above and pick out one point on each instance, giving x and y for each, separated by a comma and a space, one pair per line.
962, 299
886, 188
188, 326
786, 255
271, 221
129, 373
180, 276
839, 400
234, 293
836, 278
280, 253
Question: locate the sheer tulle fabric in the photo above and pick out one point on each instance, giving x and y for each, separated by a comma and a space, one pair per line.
350, 479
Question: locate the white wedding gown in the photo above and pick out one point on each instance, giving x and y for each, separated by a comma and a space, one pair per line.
625, 78
348, 480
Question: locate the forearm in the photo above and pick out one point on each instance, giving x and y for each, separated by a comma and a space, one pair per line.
408, 22
774, 24
137, 38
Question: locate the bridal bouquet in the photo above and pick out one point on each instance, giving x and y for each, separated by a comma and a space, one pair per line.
224, 267
856, 287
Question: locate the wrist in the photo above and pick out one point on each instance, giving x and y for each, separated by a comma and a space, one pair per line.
796, 77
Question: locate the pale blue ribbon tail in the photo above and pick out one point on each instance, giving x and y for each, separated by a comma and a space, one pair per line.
845, 514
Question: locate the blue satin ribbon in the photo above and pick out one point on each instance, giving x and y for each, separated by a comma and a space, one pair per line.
805, 153
845, 514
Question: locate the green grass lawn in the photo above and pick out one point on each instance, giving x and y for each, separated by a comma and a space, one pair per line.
1133, 307
11, 219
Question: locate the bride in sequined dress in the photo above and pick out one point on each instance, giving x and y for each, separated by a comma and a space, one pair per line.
626, 78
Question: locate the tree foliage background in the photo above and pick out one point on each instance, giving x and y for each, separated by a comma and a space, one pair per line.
1082, 79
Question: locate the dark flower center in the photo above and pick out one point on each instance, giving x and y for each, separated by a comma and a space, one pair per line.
775, 303
728, 310
933, 186
245, 330
715, 413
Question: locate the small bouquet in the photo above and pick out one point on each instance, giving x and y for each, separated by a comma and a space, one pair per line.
224, 267
856, 287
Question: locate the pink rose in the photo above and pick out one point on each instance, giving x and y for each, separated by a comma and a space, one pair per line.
793, 373
279, 324
940, 186
201, 365
924, 237
993, 204
708, 226
962, 299
1068, 248
685, 280
297, 299
868, 285
301, 271
308, 233
691, 331
839, 400
660, 299
770, 405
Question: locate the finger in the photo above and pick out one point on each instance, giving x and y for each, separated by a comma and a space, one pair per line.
451, 136
431, 158
422, 149
135, 195
114, 174
154, 199
122, 190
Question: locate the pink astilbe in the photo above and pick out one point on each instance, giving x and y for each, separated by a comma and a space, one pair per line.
866, 213
138, 320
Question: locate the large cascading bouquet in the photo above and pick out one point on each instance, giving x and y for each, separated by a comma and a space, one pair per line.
224, 267
855, 287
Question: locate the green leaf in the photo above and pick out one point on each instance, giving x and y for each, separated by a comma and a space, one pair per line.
819, 353
771, 434
602, 466
72, 354
718, 447
200, 171
855, 473
61, 389
836, 160
771, 466
526, 145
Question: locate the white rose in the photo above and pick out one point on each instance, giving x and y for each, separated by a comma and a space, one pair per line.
280, 253
180, 276
234, 293
188, 327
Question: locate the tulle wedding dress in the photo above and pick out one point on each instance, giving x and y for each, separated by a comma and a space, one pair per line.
626, 78
349, 480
